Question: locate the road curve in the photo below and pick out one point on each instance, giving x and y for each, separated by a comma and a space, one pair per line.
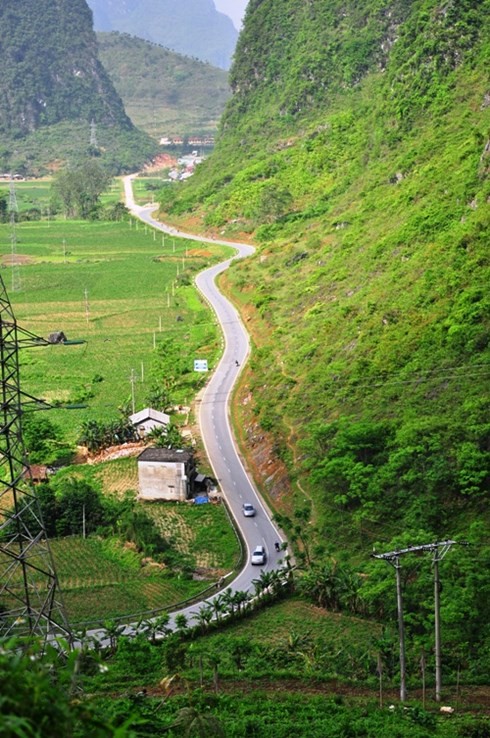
213, 408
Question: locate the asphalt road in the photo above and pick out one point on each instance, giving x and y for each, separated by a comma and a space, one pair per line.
213, 404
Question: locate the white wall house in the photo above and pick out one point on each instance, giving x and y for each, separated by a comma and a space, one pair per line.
165, 474
148, 419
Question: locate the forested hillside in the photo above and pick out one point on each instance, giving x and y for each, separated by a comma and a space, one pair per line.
190, 27
164, 93
356, 151
51, 76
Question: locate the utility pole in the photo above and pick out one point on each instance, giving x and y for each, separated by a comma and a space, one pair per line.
14, 211
132, 379
64, 251
87, 306
439, 551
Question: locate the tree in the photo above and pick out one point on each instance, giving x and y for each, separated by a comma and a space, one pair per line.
4, 214
181, 623
155, 627
78, 505
113, 632
37, 696
80, 187
204, 617
44, 441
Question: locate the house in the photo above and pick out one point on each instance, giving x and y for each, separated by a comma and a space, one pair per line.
37, 473
148, 419
165, 474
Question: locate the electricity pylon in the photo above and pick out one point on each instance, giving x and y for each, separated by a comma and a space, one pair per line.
30, 602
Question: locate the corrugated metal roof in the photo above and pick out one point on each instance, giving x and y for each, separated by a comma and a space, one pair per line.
149, 414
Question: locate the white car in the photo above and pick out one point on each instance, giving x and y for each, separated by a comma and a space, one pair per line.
258, 556
248, 510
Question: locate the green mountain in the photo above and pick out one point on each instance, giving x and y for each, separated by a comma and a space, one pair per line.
356, 151
190, 27
164, 93
52, 77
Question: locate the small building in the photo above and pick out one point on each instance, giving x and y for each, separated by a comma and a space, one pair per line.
148, 419
165, 474
37, 473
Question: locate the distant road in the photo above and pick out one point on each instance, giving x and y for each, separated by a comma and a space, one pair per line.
235, 484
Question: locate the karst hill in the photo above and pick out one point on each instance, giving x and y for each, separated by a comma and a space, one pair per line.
53, 80
356, 152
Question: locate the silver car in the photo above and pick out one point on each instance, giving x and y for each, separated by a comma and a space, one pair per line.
258, 556
248, 510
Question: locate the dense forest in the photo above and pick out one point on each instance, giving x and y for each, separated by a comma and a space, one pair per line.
356, 152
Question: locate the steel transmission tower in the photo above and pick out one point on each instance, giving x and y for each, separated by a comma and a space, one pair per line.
30, 603
93, 135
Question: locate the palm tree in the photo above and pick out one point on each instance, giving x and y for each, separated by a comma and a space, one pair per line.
229, 601
155, 626
263, 583
181, 623
241, 600
204, 617
113, 631
218, 606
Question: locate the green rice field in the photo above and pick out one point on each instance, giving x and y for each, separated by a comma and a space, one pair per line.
120, 287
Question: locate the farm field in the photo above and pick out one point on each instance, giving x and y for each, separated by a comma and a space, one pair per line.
125, 291
145, 189
102, 578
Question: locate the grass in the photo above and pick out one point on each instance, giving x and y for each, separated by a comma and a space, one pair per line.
103, 578
29, 194
122, 289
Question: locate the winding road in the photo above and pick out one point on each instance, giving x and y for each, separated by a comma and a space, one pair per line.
213, 410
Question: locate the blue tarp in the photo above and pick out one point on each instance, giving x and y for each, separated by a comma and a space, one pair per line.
201, 500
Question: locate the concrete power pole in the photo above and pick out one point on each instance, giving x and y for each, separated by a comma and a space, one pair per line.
439, 550
14, 211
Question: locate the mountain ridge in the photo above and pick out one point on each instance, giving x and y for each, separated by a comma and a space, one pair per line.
190, 27
164, 93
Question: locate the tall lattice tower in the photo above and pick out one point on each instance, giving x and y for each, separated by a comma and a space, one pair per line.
30, 603
93, 135
14, 211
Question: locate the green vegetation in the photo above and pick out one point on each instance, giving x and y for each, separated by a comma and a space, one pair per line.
355, 149
129, 294
164, 93
46, 109
262, 677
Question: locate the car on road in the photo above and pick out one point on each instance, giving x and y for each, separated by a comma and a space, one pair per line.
248, 510
258, 556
